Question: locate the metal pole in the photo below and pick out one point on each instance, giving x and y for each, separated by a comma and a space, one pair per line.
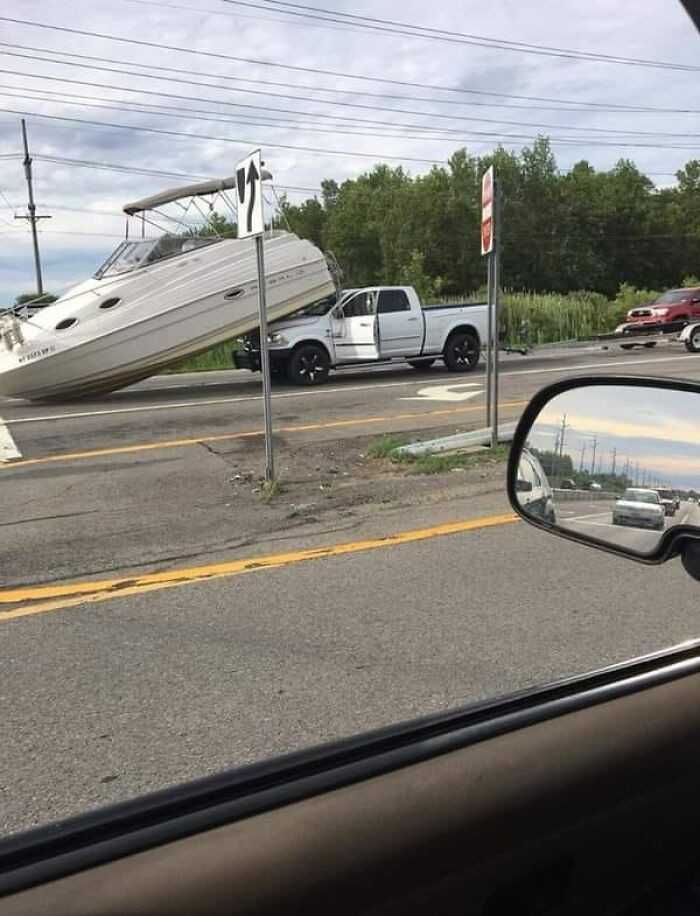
496, 281
265, 361
489, 297
32, 210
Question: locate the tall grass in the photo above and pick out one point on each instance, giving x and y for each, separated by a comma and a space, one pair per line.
219, 357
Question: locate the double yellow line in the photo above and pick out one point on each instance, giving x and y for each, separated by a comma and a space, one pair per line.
43, 599
249, 434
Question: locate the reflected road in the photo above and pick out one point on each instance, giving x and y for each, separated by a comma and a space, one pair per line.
594, 518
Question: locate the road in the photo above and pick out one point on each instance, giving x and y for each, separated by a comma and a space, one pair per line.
595, 519
158, 622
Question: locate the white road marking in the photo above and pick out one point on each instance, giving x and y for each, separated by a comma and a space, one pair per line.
447, 392
305, 393
8, 446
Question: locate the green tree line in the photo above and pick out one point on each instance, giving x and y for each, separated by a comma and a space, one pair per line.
561, 231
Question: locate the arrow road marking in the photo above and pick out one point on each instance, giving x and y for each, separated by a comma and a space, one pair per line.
447, 392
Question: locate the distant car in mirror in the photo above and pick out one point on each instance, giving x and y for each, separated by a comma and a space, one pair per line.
642, 508
644, 430
568, 484
668, 500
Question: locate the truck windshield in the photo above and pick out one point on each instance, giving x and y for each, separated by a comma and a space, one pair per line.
132, 255
673, 295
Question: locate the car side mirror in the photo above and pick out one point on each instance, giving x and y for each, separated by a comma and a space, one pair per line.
523, 486
632, 437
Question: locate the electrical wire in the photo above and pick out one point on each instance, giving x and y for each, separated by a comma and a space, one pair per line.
387, 26
338, 152
262, 63
581, 105
296, 112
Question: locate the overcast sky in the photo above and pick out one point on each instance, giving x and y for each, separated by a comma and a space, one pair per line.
74, 243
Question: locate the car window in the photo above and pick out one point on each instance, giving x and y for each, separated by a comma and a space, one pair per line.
219, 545
393, 300
359, 305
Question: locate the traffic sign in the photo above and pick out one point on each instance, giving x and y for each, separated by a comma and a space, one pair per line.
250, 199
487, 221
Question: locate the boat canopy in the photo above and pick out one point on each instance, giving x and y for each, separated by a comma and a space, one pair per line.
213, 186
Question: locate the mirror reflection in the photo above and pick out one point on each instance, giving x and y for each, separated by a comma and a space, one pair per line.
619, 463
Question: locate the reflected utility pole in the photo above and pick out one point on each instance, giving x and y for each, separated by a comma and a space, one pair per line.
595, 446
614, 461
562, 435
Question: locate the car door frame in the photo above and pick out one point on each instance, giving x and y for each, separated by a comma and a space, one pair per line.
355, 336
391, 343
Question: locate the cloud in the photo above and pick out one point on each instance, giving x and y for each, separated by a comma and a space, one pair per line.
663, 32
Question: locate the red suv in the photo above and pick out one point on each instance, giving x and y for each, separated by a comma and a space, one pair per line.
675, 305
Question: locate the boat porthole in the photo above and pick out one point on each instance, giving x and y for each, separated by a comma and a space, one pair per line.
66, 323
110, 303
235, 293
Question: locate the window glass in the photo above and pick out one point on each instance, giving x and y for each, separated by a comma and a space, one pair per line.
393, 300
360, 305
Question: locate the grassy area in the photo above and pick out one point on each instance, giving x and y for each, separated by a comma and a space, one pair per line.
437, 463
270, 490
384, 446
441, 463
219, 357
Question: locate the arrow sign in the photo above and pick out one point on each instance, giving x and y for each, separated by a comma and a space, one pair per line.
448, 392
250, 200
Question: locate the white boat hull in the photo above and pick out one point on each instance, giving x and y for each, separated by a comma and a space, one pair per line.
166, 311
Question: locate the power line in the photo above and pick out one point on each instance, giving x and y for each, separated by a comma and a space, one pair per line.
264, 63
338, 152
389, 26
379, 128
157, 173
296, 112
205, 137
579, 106
7, 202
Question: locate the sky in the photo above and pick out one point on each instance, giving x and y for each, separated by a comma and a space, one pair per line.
655, 428
340, 123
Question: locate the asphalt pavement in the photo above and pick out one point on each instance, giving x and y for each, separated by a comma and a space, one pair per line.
153, 628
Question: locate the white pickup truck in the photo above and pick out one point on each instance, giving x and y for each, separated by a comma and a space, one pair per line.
370, 325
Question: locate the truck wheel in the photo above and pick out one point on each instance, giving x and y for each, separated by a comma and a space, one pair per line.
461, 352
692, 344
308, 365
421, 363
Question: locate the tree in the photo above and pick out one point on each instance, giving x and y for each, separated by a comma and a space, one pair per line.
44, 299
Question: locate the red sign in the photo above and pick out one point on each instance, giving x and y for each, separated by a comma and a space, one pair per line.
487, 223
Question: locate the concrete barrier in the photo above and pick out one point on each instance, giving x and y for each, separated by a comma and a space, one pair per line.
583, 495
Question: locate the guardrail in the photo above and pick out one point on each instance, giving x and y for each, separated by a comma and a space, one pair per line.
583, 495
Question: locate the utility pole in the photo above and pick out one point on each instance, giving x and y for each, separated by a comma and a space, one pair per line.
595, 446
31, 216
614, 461
636, 474
562, 435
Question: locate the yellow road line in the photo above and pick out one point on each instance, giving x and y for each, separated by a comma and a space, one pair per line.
227, 437
57, 597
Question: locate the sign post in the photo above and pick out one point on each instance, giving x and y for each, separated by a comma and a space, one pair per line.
251, 223
489, 248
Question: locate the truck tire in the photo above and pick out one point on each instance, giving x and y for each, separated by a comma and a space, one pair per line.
461, 352
421, 363
308, 365
692, 344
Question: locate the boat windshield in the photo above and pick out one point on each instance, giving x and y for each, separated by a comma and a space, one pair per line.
131, 255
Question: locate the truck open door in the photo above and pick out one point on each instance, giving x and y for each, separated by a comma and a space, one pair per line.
355, 328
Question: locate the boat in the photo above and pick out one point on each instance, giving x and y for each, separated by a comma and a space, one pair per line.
154, 302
